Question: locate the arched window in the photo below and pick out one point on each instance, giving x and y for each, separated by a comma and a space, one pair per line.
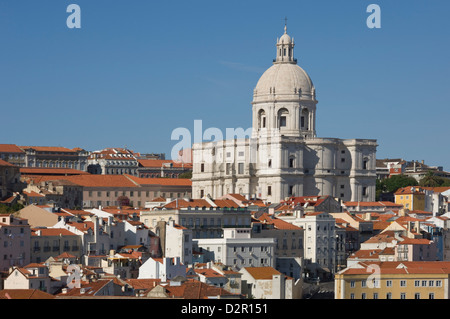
291, 161
282, 117
304, 119
262, 119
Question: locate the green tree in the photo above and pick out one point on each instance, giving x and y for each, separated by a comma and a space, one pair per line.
187, 175
432, 180
391, 184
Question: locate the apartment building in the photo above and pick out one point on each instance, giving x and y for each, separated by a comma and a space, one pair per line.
9, 179
237, 249
115, 190
205, 217
14, 242
52, 242
394, 280
319, 240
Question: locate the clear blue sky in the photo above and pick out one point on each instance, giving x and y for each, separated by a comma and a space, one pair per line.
136, 70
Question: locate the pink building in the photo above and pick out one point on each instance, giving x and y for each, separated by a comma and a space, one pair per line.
14, 242
416, 249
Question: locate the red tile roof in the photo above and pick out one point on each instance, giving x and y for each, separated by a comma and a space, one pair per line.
372, 204
410, 190
51, 171
194, 289
403, 267
5, 163
415, 241
10, 148
262, 273
160, 163
161, 181
277, 223
52, 232
50, 149
182, 203
24, 294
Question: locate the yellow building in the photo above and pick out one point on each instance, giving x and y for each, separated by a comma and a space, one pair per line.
411, 197
394, 280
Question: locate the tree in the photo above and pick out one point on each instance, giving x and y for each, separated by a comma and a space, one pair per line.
187, 175
432, 180
391, 184
123, 201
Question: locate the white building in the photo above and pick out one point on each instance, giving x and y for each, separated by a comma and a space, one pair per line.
162, 268
281, 155
237, 249
319, 238
175, 240
268, 283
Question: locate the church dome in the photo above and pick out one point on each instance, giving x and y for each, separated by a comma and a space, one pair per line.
285, 38
285, 79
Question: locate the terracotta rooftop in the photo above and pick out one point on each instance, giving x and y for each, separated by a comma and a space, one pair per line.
160, 163
262, 273
403, 267
24, 294
51, 149
5, 163
10, 148
277, 223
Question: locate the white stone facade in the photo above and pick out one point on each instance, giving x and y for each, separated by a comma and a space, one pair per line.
319, 238
280, 156
237, 249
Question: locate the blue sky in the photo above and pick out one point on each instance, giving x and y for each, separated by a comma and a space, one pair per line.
136, 70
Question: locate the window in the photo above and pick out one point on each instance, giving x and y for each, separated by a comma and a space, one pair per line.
269, 190
202, 167
352, 296
402, 283
438, 283
291, 162
282, 121
424, 283
402, 295
363, 295
363, 283
291, 190
352, 284
375, 295
389, 295
431, 283
269, 164
241, 168
417, 295
416, 283
388, 283
431, 295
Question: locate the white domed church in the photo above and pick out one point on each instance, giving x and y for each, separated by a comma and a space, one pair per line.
283, 157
